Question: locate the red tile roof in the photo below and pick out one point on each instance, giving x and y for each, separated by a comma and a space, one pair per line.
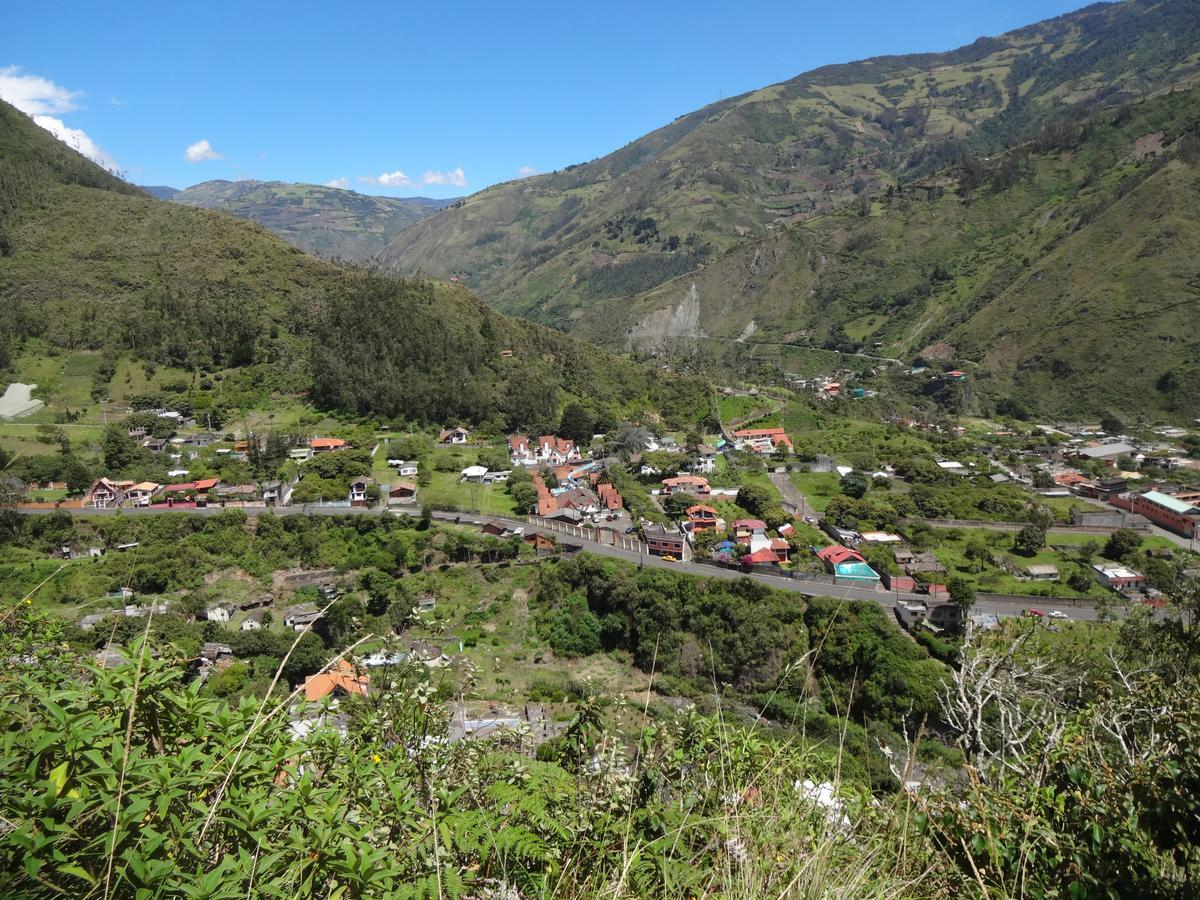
765, 555
341, 676
777, 435
326, 443
610, 496
838, 554
750, 525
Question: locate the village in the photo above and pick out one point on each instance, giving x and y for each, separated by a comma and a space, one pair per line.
981, 510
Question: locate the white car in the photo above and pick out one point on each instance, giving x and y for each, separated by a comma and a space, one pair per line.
1057, 614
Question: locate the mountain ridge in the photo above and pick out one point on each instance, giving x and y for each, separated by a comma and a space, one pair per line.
336, 223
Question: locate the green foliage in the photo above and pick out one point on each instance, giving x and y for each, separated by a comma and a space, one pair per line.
1122, 545
1030, 540
855, 484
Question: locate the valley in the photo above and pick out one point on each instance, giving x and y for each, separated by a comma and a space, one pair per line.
801, 500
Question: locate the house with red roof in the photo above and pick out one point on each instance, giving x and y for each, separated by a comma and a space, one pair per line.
519, 451
686, 484
104, 494
764, 556
836, 554
326, 445
763, 440
610, 497
556, 451
704, 518
340, 681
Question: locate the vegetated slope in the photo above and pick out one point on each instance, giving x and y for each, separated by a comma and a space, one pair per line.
327, 221
105, 267
1065, 268
547, 246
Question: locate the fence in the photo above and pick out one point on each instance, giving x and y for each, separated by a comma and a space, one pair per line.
608, 536
1017, 526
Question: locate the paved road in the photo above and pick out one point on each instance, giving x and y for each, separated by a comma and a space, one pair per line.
886, 599
791, 495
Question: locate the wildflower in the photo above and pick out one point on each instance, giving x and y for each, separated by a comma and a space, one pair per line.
376, 758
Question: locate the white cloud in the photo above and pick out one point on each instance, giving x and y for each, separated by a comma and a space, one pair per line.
526, 171
395, 179
44, 101
200, 151
116, 101
455, 177
34, 95
78, 140
338, 183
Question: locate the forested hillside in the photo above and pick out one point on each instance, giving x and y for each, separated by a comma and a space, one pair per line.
91, 263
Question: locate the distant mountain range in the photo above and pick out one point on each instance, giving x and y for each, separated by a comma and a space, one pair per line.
89, 262
329, 222
942, 202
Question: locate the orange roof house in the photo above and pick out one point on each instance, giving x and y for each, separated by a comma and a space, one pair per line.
610, 497
704, 518
687, 484
340, 681
777, 436
325, 445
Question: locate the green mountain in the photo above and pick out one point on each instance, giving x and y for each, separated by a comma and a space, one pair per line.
90, 262
613, 246
327, 221
1064, 271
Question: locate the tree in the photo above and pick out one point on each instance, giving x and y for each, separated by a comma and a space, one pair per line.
76, 474
855, 484
629, 439
307, 658
1042, 479
577, 423
341, 622
379, 586
525, 495
1110, 424
962, 595
1030, 540
676, 505
755, 498
119, 449
1122, 545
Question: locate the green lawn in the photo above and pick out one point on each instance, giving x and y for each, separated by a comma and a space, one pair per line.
445, 491
817, 487
984, 576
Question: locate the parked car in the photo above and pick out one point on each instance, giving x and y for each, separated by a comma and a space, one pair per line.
1057, 614
668, 558
1033, 613
632, 529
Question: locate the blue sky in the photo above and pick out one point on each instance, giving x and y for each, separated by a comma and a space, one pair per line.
436, 99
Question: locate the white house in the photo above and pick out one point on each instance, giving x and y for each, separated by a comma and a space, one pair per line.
407, 468
705, 462
474, 474
218, 612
